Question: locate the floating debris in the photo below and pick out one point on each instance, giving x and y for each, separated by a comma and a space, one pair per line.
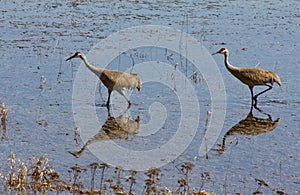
43, 81
76, 135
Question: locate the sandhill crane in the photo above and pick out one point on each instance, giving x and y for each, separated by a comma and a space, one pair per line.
251, 76
113, 79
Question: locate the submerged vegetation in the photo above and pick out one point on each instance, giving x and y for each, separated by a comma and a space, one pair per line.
37, 176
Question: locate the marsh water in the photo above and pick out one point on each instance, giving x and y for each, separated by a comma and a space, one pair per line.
37, 86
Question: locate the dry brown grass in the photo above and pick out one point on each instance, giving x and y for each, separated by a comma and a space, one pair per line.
38, 177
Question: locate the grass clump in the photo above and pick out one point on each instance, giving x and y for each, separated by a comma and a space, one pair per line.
38, 177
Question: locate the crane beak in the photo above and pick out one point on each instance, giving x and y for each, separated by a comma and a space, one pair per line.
215, 53
73, 56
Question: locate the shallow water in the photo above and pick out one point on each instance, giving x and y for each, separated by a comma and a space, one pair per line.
37, 84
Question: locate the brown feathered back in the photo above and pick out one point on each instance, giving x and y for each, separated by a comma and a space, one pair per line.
119, 80
255, 76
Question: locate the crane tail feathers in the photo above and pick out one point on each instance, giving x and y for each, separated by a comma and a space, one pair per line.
276, 78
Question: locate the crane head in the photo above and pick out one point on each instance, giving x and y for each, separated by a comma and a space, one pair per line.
221, 51
76, 55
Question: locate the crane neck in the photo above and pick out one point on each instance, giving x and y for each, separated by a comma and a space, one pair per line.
228, 66
97, 71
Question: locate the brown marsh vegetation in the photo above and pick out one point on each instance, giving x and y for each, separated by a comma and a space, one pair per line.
39, 177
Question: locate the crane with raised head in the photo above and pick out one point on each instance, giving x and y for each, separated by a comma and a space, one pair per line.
251, 76
112, 79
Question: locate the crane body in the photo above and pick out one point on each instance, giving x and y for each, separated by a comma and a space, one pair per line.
112, 79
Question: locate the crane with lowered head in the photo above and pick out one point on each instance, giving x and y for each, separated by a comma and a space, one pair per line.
112, 79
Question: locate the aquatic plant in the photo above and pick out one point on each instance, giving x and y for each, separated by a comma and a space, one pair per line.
4, 110
151, 184
184, 182
38, 177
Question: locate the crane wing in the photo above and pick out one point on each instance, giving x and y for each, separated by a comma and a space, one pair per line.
256, 76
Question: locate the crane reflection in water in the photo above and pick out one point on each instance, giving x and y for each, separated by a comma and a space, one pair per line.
114, 128
250, 126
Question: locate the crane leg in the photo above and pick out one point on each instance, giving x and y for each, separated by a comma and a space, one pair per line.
108, 99
255, 97
253, 101
124, 95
